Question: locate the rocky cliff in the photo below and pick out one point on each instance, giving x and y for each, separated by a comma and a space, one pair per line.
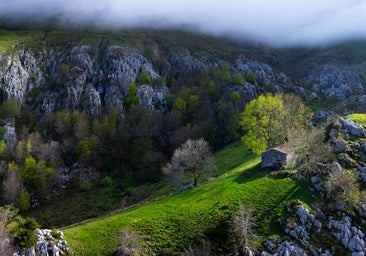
79, 75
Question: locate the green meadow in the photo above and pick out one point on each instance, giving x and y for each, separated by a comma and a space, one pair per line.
166, 225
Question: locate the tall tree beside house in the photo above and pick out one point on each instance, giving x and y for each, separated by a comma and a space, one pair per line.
262, 122
190, 163
268, 120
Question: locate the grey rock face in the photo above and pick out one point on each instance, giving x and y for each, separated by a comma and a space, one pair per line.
247, 92
362, 173
263, 72
15, 82
335, 83
91, 102
79, 78
9, 134
362, 210
351, 237
339, 145
353, 128
152, 98
188, 61
20, 73
122, 66
284, 248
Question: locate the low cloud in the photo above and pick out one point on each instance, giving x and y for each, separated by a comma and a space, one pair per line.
278, 23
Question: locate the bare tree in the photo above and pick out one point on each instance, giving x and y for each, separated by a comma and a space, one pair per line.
343, 187
311, 149
6, 242
203, 249
129, 244
242, 227
191, 162
11, 185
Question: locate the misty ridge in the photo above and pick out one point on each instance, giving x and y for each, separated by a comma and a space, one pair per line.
280, 23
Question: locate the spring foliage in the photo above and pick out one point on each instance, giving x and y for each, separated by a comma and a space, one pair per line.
261, 120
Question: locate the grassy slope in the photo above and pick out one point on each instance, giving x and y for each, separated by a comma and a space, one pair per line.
169, 223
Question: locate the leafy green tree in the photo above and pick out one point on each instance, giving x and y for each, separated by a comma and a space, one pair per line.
212, 89
191, 162
238, 78
262, 122
181, 105
144, 78
23, 201
250, 77
225, 77
35, 174
9, 108
24, 233
193, 102
131, 97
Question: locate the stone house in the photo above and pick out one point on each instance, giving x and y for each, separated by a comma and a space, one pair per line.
277, 157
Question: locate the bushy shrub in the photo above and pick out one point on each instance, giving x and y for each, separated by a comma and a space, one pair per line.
106, 181
250, 77
144, 78
342, 187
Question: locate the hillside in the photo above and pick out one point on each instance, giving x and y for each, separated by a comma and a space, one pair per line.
170, 224
89, 117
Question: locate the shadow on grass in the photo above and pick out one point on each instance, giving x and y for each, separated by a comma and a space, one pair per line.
252, 174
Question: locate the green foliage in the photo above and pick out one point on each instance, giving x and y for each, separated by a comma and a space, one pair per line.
235, 97
225, 77
106, 181
250, 77
212, 89
2, 149
238, 78
35, 174
181, 105
193, 103
23, 201
262, 121
131, 97
9, 109
144, 78
24, 233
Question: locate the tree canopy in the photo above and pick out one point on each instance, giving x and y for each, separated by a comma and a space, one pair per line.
268, 120
262, 122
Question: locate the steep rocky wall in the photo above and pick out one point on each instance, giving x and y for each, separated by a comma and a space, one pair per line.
89, 76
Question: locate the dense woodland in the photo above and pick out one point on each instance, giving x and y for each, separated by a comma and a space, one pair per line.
134, 145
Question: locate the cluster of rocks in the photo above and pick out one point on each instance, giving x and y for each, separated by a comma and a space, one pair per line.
352, 128
282, 248
335, 82
304, 228
49, 243
263, 72
350, 236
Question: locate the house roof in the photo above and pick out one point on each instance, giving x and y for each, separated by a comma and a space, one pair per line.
284, 149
